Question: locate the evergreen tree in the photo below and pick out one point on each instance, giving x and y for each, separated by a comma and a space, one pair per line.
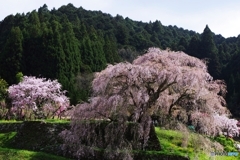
5, 29
43, 9
72, 58
193, 47
49, 51
122, 34
99, 60
44, 14
77, 28
209, 51
182, 44
58, 53
87, 54
34, 27
224, 57
12, 58
110, 50
154, 38
33, 58
70, 48
157, 27
148, 27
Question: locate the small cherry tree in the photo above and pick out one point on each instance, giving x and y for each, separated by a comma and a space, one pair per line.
37, 98
159, 82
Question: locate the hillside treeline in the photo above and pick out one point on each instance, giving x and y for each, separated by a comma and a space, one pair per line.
70, 43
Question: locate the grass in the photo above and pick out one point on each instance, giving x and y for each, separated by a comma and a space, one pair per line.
171, 142
10, 121
5, 138
8, 153
15, 154
187, 144
55, 120
45, 120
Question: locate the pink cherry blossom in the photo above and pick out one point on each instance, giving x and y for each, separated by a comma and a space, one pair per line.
37, 97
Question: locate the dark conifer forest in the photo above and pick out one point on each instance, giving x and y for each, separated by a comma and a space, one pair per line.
70, 44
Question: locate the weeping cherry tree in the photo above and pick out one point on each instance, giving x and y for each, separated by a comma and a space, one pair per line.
160, 82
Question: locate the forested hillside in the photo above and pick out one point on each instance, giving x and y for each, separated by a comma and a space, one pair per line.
70, 43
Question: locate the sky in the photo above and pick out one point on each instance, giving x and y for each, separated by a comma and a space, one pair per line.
222, 16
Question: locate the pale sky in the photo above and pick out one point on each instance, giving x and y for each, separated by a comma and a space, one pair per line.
222, 16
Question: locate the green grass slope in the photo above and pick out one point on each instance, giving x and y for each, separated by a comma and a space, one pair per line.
191, 145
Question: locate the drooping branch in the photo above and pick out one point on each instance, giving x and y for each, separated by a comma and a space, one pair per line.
182, 96
108, 117
153, 97
133, 99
